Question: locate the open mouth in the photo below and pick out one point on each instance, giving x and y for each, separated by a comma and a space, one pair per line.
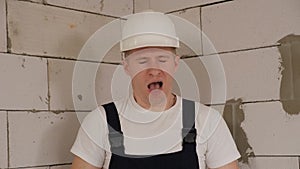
155, 85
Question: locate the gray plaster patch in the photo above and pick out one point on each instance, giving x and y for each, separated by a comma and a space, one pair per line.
290, 82
79, 97
9, 45
23, 63
234, 116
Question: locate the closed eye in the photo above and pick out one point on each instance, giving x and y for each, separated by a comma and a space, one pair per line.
163, 58
142, 60
162, 61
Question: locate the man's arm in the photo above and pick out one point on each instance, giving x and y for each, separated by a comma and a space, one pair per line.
232, 165
79, 163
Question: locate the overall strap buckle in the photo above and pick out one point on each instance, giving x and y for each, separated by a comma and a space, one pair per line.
115, 135
189, 135
116, 139
189, 131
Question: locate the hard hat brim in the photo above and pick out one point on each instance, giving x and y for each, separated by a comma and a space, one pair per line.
148, 40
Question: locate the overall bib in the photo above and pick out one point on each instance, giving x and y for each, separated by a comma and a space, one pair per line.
185, 159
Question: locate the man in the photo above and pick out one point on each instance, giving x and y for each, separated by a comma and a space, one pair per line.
153, 127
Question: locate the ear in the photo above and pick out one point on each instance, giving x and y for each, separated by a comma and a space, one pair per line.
125, 66
177, 59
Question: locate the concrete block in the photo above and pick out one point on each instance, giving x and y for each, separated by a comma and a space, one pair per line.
113, 55
169, 5
60, 84
103, 83
96, 84
46, 136
142, 5
271, 163
193, 80
253, 75
270, 130
50, 31
192, 16
3, 41
3, 140
91, 83
112, 83
111, 7
262, 23
242, 79
23, 82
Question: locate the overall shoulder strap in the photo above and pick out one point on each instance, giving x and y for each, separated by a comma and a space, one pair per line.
188, 121
112, 117
115, 135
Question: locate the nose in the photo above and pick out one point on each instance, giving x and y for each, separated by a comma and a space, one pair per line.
154, 72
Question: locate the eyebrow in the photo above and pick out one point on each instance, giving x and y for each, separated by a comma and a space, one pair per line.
163, 56
141, 58
166, 56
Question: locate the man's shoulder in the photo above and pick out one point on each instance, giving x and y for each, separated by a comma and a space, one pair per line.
117, 101
98, 115
207, 120
202, 108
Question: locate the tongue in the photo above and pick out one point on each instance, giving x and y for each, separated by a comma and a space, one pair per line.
154, 86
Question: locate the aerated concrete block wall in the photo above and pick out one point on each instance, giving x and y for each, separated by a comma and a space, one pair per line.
257, 42
39, 44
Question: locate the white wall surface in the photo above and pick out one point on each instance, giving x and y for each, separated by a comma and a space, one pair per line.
46, 135
23, 82
3, 39
40, 41
3, 140
244, 24
57, 32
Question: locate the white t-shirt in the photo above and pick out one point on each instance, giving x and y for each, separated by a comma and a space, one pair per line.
150, 133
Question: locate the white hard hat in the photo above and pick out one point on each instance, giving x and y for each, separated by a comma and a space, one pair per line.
148, 29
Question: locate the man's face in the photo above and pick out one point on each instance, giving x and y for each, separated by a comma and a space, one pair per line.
151, 70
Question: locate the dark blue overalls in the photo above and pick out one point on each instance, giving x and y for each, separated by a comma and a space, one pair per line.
185, 159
